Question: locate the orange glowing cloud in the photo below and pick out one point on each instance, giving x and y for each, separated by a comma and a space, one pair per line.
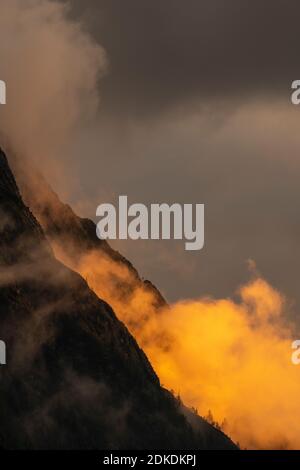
229, 358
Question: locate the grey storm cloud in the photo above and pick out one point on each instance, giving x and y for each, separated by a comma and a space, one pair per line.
194, 107
197, 99
165, 52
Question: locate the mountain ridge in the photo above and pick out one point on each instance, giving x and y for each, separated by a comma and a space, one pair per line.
75, 378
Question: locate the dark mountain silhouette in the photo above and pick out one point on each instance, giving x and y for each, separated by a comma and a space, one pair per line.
76, 236
74, 239
75, 378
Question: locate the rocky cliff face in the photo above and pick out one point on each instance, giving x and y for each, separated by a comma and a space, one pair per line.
75, 378
74, 236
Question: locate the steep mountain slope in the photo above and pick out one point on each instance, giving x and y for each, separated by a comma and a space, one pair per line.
75, 378
62, 225
76, 244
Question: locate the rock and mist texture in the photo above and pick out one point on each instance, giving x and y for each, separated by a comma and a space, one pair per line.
75, 378
228, 358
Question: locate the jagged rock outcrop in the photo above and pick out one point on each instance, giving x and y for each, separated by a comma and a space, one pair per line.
76, 236
75, 378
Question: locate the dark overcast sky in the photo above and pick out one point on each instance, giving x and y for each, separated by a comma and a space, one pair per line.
196, 108
165, 52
